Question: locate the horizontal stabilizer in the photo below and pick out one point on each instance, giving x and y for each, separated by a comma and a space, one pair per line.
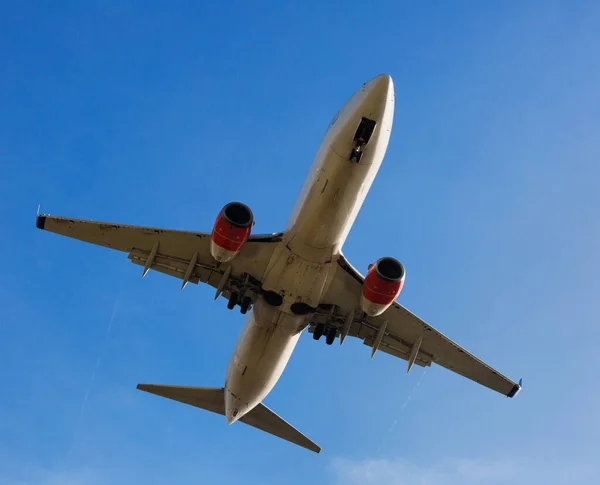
213, 399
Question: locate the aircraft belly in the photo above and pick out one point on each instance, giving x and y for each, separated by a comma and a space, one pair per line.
330, 201
296, 278
261, 354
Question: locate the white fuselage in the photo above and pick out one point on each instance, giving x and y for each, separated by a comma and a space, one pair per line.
329, 202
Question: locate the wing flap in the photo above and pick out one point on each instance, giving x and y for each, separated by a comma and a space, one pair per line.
390, 343
392, 348
172, 266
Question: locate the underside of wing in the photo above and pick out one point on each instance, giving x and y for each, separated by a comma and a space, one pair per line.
400, 333
182, 254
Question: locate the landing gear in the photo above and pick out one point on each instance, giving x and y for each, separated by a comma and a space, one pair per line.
243, 290
331, 334
246, 301
327, 326
356, 154
233, 299
319, 329
361, 138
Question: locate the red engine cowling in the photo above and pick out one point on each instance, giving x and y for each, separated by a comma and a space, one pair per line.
382, 286
230, 231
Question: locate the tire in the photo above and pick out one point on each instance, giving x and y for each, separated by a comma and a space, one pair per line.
319, 329
233, 299
245, 304
331, 334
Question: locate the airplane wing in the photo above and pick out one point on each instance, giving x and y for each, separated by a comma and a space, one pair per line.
400, 333
182, 254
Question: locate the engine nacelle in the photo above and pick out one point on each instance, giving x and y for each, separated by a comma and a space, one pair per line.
382, 286
230, 231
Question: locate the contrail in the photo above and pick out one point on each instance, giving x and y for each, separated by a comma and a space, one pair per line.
395, 422
91, 383
407, 400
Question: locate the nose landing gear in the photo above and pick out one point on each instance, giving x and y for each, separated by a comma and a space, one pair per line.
356, 154
363, 134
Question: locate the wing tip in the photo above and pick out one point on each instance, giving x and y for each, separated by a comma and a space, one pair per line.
40, 222
516, 389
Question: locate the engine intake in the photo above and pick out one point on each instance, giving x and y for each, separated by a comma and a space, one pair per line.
230, 231
382, 286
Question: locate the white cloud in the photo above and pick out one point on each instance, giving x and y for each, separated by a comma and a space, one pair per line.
346, 472
461, 471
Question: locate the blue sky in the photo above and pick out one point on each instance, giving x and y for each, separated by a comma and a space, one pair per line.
158, 113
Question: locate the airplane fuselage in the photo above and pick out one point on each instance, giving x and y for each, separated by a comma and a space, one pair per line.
340, 177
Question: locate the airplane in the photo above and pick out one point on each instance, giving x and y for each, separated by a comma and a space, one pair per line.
297, 279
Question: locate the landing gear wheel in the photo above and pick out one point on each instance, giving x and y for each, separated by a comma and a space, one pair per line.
233, 299
331, 334
245, 304
319, 329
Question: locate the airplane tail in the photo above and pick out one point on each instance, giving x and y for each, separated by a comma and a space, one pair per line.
213, 399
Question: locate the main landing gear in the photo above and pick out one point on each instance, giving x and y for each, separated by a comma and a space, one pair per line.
330, 333
245, 303
241, 291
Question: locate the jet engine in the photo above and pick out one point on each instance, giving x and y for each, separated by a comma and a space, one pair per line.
230, 231
382, 286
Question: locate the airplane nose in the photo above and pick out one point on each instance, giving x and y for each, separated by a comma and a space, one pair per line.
370, 108
381, 85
